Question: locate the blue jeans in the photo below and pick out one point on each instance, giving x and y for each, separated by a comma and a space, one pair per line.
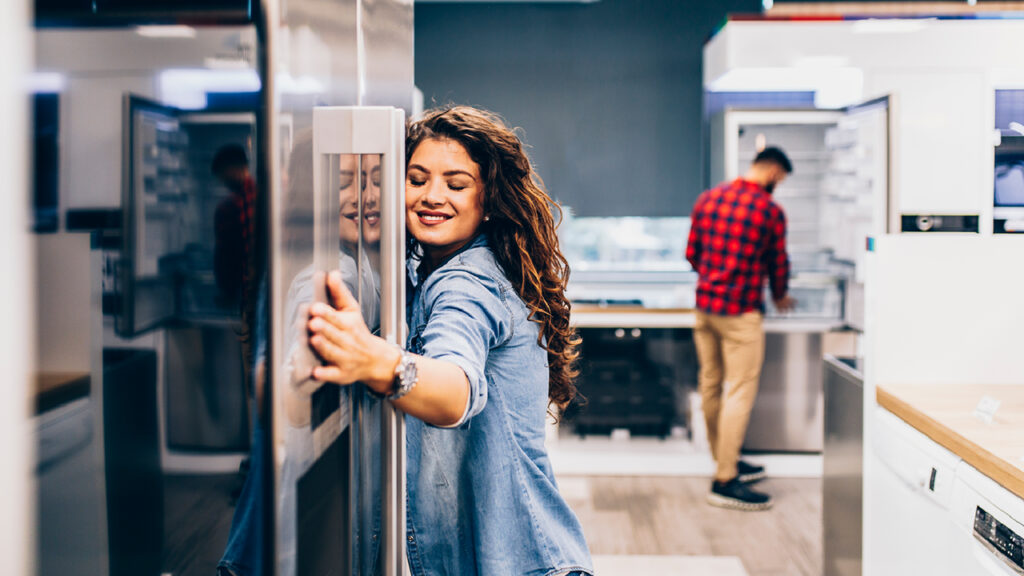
243, 555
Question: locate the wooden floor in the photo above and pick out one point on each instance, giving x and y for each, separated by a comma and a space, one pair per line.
197, 519
621, 515
668, 516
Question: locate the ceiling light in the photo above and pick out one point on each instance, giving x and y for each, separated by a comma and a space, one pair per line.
166, 31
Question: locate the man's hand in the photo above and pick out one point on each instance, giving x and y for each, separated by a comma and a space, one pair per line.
785, 304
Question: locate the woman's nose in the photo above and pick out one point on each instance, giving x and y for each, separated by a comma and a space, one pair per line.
370, 201
433, 195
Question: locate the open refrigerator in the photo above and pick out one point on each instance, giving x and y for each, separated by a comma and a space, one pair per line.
837, 197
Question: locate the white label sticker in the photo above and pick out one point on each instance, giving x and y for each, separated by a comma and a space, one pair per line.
986, 409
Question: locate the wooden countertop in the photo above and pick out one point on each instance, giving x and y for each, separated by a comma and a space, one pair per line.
55, 389
945, 413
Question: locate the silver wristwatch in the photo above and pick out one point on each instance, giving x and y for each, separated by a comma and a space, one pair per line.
406, 376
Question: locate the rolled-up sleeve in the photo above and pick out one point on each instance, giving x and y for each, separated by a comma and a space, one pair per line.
467, 316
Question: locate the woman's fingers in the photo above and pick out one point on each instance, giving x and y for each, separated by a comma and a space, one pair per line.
336, 355
349, 322
333, 331
338, 334
339, 294
331, 374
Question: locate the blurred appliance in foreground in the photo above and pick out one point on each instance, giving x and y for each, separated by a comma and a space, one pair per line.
842, 506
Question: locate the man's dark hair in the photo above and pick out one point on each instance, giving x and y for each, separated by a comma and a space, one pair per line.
229, 156
774, 155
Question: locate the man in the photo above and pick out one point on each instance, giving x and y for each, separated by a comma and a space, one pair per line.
233, 223
737, 237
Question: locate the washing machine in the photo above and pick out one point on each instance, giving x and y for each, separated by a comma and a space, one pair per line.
989, 521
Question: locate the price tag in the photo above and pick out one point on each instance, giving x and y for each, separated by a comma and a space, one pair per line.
986, 408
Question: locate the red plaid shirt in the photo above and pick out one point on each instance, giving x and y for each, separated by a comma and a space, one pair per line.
737, 237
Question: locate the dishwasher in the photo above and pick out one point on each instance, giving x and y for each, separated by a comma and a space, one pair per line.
989, 518
909, 528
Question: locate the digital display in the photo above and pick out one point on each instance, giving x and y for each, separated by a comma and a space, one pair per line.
1008, 543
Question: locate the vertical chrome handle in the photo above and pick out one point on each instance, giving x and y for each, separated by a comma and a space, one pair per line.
377, 130
393, 327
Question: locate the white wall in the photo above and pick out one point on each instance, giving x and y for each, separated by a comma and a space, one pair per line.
946, 309
17, 531
942, 75
63, 302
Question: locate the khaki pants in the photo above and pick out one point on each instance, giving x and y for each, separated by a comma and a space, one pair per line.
730, 350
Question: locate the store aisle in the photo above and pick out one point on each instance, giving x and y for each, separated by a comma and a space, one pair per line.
667, 516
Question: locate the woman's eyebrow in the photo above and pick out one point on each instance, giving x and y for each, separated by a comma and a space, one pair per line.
457, 172
447, 173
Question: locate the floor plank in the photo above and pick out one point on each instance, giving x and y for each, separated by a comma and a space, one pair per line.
197, 519
668, 516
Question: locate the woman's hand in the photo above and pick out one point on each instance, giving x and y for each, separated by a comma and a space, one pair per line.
352, 354
340, 337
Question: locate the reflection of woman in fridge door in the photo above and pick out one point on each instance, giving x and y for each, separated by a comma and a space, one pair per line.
490, 350
243, 555
296, 388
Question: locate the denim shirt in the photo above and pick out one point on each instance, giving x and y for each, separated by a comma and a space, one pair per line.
482, 497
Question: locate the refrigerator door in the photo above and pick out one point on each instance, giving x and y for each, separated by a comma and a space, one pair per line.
858, 193
151, 189
340, 452
182, 250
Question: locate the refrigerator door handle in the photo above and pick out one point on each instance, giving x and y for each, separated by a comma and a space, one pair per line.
376, 130
393, 328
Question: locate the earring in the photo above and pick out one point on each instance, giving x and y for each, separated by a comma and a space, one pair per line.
487, 218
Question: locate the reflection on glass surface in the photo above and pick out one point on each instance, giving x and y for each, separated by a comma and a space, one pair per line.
318, 529
140, 475
367, 446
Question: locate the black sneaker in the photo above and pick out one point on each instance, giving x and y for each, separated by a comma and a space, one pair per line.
748, 473
738, 496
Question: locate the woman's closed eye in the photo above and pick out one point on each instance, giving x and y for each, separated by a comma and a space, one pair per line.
459, 184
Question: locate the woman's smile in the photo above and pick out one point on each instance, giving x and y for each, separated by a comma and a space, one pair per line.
429, 218
444, 197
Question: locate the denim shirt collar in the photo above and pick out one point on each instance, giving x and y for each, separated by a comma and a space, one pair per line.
412, 265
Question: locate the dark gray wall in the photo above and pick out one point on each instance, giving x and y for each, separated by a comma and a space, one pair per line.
608, 94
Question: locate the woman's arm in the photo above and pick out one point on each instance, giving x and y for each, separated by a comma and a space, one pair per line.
340, 336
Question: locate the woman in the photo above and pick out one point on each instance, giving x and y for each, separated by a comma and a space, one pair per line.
490, 348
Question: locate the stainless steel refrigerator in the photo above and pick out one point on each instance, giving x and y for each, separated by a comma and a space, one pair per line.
316, 92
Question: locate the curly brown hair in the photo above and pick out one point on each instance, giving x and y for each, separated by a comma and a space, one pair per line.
520, 230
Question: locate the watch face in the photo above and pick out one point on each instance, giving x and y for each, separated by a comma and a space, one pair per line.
409, 374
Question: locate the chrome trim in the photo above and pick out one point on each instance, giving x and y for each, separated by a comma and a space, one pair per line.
393, 328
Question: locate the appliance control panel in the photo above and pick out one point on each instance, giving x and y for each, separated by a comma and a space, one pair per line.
1000, 539
939, 223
